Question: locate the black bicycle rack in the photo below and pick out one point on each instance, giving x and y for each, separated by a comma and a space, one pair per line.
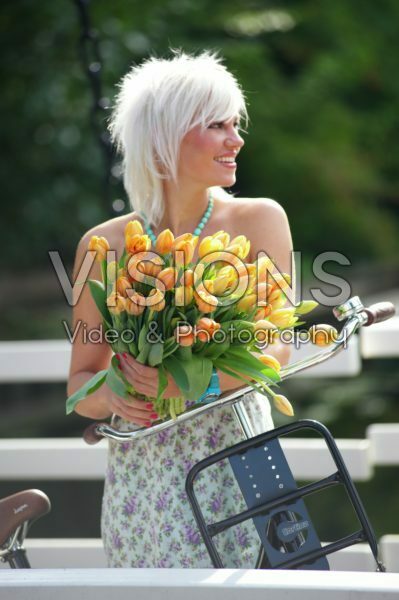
275, 503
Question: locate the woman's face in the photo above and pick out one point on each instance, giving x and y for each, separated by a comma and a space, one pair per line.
208, 157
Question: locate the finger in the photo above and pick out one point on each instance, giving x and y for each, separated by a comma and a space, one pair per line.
148, 387
142, 405
145, 372
143, 386
132, 414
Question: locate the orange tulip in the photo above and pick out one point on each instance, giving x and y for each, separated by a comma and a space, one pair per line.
167, 277
264, 331
135, 304
184, 335
205, 328
157, 301
164, 242
187, 277
185, 246
263, 311
100, 246
323, 335
270, 361
122, 284
205, 302
137, 243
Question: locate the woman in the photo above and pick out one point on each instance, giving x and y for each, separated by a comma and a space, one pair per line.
177, 125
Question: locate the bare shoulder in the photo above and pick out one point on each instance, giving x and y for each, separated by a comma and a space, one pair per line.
112, 229
265, 223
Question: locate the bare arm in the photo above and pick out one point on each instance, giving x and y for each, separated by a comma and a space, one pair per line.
89, 357
269, 231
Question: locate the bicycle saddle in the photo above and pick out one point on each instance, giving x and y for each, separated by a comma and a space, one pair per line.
17, 509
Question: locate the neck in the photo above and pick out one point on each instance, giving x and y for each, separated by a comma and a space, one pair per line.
184, 206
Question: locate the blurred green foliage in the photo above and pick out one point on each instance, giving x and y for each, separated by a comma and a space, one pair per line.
322, 90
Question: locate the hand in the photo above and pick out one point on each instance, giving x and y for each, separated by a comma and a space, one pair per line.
144, 379
135, 410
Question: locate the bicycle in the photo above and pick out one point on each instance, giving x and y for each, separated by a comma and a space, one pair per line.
15, 519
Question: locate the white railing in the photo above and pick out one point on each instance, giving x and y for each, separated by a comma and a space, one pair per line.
197, 584
48, 361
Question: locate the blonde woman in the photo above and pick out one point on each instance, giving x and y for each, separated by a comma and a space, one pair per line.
177, 124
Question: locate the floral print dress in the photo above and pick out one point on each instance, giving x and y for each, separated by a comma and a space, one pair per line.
146, 517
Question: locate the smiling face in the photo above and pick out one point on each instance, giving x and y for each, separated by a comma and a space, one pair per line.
207, 156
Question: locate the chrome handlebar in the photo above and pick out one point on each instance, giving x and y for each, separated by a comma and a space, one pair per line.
356, 316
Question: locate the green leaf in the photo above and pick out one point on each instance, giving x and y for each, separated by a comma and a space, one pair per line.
155, 354
306, 306
192, 376
100, 298
213, 350
173, 365
115, 382
143, 354
88, 388
142, 341
162, 381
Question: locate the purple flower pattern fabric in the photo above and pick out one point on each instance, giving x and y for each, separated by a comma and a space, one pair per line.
146, 517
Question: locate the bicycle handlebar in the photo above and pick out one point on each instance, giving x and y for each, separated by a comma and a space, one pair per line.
356, 316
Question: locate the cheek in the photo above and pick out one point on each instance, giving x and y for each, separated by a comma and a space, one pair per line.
196, 150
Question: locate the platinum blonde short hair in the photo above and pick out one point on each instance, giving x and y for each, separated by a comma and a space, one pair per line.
159, 101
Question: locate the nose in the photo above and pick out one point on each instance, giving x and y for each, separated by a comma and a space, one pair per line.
234, 140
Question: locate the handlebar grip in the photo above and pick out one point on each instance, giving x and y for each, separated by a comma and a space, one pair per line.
379, 312
91, 434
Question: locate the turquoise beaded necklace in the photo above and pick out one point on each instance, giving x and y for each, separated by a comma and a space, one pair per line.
197, 230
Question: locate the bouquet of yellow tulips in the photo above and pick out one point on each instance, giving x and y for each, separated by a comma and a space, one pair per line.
187, 318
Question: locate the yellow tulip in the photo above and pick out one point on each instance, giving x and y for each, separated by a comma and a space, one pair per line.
133, 228
168, 278
243, 243
183, 295
116, 303
219, 285
323, 335
164, 242
223, 237
137, 243
283, 317
270, 361
264, 266
283, 405
112, 271
247, 303
186, 246
230, 272
100, 246
208, 245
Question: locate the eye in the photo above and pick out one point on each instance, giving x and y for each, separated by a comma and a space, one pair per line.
215, 125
